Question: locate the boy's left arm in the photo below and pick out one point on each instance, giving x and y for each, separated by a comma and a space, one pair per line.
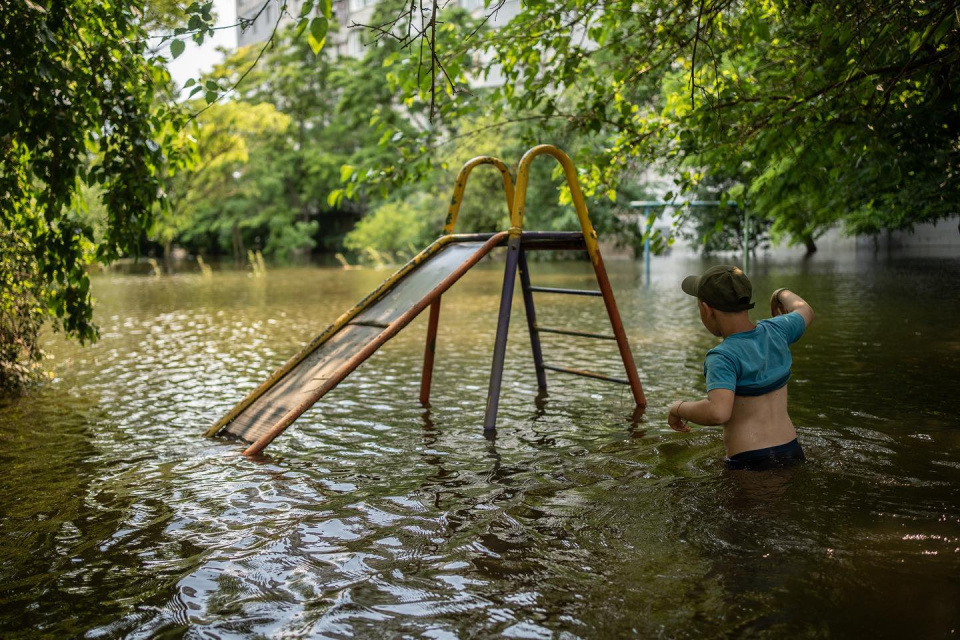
715, 409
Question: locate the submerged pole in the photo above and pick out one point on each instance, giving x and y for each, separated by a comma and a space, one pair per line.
746, 237
429, 352
531, 320
646, 245
503, 328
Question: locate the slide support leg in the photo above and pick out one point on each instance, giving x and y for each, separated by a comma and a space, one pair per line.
532, 321
429, 352
618, 331
503, 327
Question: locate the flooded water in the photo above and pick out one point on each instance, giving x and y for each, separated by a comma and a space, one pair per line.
373, 517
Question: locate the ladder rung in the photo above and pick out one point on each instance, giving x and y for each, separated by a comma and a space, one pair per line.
586, 374
581, 334
369, 323
572, 292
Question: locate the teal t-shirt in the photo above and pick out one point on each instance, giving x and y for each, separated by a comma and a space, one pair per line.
754, 362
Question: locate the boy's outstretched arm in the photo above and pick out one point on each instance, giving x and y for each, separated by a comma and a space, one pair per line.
716, 409
786, 301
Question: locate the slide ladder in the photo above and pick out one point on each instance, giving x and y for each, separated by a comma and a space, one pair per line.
330, 357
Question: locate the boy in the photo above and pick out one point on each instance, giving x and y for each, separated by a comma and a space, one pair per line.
747, 373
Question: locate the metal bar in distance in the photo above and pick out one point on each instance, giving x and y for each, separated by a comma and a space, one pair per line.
586, 374
572, 292
531, 319
371, 347
580, 334
429, 352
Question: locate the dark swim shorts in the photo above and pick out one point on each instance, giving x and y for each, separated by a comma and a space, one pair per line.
781, 455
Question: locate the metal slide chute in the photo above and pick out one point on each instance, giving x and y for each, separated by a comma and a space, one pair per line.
273, 407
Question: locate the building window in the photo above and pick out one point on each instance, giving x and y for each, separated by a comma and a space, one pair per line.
357, 5
354, 45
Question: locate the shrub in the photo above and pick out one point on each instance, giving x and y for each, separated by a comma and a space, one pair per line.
21, 314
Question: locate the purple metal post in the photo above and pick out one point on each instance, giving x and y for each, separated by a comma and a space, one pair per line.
532, 321
503, 327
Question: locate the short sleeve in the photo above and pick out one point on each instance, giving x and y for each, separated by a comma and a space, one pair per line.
720, 371
790, 325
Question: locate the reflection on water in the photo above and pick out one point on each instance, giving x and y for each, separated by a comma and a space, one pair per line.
373, 516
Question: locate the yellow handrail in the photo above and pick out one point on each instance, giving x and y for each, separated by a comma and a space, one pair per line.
520, 195
461, 185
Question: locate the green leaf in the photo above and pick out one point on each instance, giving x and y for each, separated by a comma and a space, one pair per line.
211, 96
306, 8
177, 47
318, 33
316, 45
916, 39
345, 172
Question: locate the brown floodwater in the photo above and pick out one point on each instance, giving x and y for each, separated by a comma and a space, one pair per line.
374, 517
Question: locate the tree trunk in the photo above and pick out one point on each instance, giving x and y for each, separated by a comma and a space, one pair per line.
304, 209
167, 256
238, 249
810, 244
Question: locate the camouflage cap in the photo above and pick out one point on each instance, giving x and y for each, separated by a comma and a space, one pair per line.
724, 287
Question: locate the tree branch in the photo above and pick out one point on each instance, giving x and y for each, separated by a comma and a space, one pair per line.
266, 45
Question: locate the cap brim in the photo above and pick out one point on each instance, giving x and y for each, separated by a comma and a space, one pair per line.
690, 285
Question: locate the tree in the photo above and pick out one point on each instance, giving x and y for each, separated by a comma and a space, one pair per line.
819, 112
87, 109
279, 195
21, 312
307, 87
288, 191
219, 195
78, 106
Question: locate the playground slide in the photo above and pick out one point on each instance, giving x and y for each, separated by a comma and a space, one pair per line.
356, 335
333, 355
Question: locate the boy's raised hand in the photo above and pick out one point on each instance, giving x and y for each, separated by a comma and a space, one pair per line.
675, 422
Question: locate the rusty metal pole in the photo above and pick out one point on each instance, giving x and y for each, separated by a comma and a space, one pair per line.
618, 331
429, 352
503, 327
532, 321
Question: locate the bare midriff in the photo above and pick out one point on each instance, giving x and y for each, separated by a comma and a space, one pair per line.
758, 422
